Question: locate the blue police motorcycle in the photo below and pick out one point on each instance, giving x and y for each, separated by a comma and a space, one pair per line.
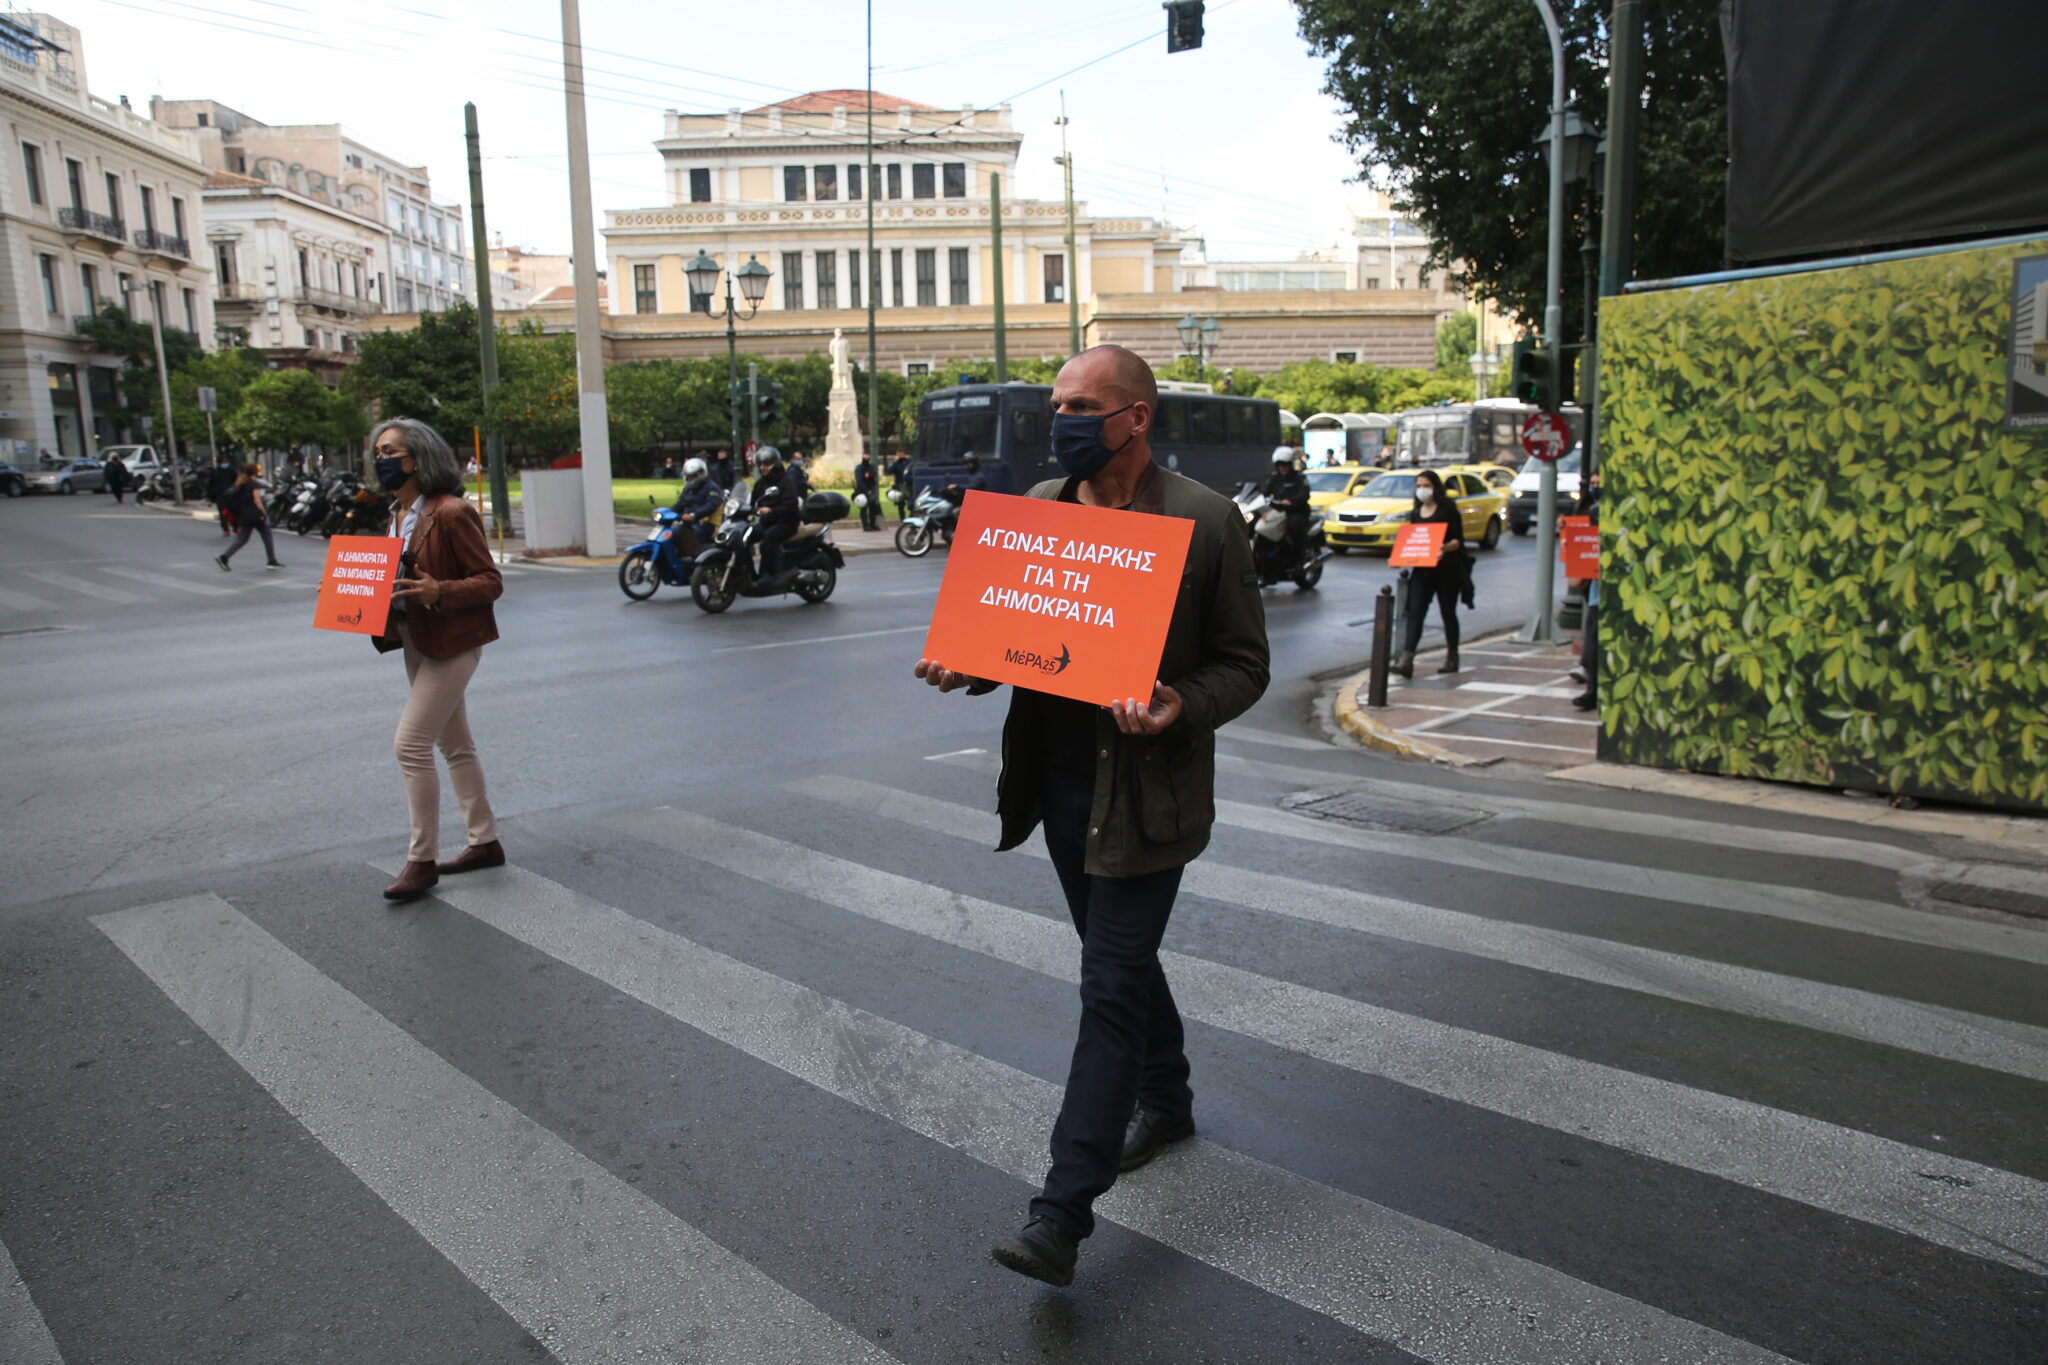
668, 556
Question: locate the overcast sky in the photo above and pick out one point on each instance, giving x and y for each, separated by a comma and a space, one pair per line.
1233, 138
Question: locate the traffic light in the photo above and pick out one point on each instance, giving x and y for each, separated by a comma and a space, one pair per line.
1541, 379
1183, 24
768, 404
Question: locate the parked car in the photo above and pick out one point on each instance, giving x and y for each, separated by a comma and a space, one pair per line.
1528, 486
1331, 485
53, 474
12, 481
140, 461
1372, 519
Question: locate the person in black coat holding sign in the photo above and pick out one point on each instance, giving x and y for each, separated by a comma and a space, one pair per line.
1442, 582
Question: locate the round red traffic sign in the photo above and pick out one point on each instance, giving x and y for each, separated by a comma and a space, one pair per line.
1546, 435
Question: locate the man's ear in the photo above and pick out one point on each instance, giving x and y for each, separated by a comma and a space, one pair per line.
1141, 417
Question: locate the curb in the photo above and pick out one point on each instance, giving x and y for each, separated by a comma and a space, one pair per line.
1352, 718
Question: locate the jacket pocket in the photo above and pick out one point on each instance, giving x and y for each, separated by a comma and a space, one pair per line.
1176, 795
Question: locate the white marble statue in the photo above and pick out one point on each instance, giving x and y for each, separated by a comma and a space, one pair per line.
842, 360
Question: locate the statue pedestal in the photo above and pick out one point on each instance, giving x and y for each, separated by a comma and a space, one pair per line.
842, 433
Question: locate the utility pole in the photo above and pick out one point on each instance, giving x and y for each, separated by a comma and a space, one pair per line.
599, 530
486, 327
1542, 627
874, 259
1618, 194
995, 218
163, 376
1073, 272
754, 402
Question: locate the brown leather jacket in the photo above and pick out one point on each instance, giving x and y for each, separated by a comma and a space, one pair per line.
448, 544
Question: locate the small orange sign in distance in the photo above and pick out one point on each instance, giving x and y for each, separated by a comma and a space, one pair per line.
1058, 597
1580, 546
355, 587
1418, 545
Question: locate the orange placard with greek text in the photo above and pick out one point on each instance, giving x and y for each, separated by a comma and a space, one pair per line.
1418, 545
1058, 597
355, 587
1581, 547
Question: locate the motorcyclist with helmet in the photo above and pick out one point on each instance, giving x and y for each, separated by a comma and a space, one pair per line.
1287, 489
778, 507
699, 499
956, 494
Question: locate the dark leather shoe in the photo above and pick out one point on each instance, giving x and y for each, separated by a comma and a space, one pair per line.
1043, 1250
417, 879
474, 857
1585, 701
1148, 1132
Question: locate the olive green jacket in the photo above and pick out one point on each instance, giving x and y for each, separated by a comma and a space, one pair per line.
1155, 796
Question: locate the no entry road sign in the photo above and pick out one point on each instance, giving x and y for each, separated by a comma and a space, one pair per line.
1546, 435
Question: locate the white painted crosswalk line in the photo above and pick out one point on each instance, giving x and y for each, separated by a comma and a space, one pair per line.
21, 601
1795, 904
24, 1337
1439, 1295
1954, 1035
165, 581
1957, 1204
595, 1270
74, 583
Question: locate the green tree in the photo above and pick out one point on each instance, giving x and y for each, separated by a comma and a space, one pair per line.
1457, 336
537, 404
228, 373
112, 332
432, 372
1446, 98
288, 410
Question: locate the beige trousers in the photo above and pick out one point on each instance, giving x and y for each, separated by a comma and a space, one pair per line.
434, 714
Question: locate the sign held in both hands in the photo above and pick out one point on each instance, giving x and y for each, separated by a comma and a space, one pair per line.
1418, 545
1058, 597
355, 587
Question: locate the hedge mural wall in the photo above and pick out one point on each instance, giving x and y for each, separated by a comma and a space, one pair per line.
1826, 557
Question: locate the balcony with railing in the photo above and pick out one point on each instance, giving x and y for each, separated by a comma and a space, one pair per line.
163, 244
235, 291
336, 302
111, 231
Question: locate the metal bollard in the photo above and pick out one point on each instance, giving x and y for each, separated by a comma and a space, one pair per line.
1382, 646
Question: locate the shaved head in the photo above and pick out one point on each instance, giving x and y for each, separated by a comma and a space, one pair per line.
1121, 369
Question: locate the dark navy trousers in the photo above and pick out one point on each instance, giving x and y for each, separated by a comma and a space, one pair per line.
1131, 1049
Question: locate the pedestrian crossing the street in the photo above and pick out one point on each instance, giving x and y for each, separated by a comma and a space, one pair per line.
1470, 1133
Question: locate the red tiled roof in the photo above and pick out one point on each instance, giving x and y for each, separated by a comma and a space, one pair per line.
825, 101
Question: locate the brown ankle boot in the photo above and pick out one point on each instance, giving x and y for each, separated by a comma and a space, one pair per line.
417, 879
474, 857
1405, 665
1450, 661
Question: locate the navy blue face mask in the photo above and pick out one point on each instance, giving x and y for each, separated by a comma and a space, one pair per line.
391, 472
1077, 441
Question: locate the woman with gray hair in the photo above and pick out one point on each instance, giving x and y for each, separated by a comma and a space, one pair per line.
441, 617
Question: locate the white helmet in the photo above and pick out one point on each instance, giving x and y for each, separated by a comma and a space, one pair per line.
1283, 453
694, 470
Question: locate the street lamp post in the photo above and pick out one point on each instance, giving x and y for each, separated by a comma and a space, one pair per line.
1201, 338
163, 376
703, 274
1485, 365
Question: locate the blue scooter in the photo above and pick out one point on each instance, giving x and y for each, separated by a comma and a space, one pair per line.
668, 557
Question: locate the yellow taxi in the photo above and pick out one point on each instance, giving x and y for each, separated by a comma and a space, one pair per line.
1382, 504
1332, 484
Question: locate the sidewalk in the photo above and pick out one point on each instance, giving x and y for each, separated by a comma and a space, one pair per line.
1510, 701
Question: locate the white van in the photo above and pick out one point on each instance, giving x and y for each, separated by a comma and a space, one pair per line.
139, 461
1527, 489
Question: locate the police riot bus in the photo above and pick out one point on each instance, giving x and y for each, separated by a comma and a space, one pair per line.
1220, 440
1486, 432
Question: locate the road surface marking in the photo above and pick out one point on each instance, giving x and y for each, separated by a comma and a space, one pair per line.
1520, 690
159, 580
76, 584
21, 601
820, 639
1932, 1030
1445, 1297
24, 1337
1580, 749
594, 1269
1962, 1205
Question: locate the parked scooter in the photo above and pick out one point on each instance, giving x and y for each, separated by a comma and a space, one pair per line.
810, 561
931, 519
1272, 555
668, 556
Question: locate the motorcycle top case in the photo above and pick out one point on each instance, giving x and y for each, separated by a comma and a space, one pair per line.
824, 506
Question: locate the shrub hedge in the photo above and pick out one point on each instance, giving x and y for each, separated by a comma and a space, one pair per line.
1826, 561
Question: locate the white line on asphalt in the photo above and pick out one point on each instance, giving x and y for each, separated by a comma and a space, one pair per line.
1466, 711
594, 1269
1442, 1296
77, 584
951, 753
21, 601
1519, 690
158, 580
1580, 749
820, 639
1453, 717
1953, 1035
1251, 735
24, 1337
1995, 1214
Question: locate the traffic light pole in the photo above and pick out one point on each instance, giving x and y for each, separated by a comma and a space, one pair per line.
1542, 627
732, 376
753, 402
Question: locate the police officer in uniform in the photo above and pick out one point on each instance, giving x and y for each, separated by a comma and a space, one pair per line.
867, 491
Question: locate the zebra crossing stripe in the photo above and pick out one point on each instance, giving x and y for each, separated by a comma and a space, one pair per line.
1437, 1294
1953, 1035
1962, 1205
24, 1337
165, 581
77, 584
21, 601
599, 1273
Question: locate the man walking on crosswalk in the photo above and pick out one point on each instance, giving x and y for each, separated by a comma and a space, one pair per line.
1127, 795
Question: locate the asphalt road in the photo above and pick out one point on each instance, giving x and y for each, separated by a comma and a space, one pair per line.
753, 1050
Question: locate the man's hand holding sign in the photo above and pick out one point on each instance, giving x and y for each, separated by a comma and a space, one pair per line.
1122, 606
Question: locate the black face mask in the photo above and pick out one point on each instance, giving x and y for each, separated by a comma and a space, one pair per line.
1077, 441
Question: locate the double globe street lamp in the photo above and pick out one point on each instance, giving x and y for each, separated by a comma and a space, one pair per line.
1201, 338
702, 275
